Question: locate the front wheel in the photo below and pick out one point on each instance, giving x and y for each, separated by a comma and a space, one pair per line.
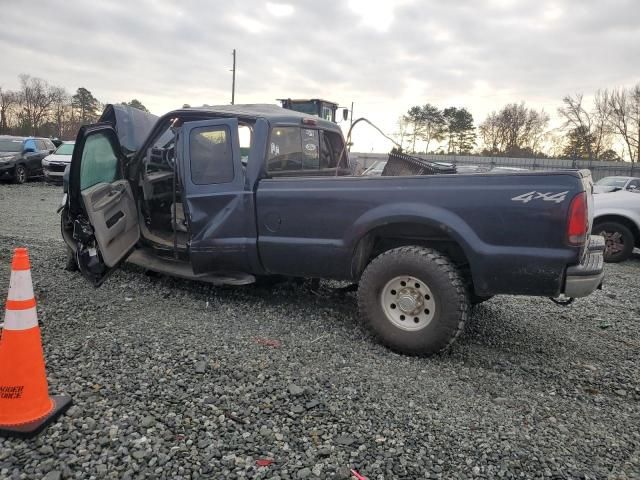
619, 241
20, 174
414, 300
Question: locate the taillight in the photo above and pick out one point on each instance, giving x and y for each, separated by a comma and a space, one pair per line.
578, 222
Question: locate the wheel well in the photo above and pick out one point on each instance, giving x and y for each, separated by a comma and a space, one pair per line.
395, 235
621, 220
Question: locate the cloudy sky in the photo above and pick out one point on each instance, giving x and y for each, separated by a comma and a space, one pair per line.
384, 56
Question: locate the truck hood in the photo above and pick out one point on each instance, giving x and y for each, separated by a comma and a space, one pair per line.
8, 154
605, 189
132, 125
619, 199
58, 158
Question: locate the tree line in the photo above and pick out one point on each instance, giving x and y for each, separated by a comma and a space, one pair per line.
40, 109
607, 128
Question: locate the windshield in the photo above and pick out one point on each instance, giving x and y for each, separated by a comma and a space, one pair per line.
65, 149
10, 145
612, 182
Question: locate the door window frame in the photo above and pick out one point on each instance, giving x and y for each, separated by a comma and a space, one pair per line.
183, 155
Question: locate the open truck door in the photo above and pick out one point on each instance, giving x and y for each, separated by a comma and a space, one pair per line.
101, 204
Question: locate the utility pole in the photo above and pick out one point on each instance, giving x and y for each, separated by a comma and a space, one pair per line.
233, 81
351, 123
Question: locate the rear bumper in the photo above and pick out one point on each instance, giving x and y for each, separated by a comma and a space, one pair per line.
585, 278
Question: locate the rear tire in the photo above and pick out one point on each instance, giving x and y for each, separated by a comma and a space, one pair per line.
20, 174
414, 300
619, 241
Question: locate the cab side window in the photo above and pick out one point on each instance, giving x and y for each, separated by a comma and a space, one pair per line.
295, 151
285, 150
211, 155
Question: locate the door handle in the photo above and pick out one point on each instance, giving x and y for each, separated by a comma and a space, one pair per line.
116, 191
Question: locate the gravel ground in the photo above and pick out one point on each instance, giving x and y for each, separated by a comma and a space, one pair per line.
176, 379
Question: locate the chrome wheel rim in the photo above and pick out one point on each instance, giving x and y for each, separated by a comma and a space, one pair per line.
614, 242
408, 303
21, 173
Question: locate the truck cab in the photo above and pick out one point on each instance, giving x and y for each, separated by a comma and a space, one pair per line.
176, 193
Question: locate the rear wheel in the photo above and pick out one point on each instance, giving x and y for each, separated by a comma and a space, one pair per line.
414, 300
20, 174
619, 241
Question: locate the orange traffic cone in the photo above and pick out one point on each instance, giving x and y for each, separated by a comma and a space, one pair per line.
25, 405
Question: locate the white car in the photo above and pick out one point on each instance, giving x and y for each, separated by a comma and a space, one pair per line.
53, 165
616, 217
614, 184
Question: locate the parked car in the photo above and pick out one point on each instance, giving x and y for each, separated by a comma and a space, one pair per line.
53, 165
172, 195
20, 157
616, 217
614, 184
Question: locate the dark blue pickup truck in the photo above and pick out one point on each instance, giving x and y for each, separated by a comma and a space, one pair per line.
230, 194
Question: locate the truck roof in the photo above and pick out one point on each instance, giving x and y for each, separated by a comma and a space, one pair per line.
271, 112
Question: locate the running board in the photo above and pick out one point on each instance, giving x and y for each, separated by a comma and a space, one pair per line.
177, 268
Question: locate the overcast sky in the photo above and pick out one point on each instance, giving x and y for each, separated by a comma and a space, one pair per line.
384, 56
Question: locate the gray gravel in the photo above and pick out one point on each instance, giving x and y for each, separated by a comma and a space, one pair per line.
175, 379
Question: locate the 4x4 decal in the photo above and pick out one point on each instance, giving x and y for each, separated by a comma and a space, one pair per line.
545, 196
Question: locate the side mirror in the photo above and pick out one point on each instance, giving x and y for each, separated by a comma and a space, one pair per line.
28, 150
345, 114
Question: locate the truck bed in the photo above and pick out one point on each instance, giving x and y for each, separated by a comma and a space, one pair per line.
510, 227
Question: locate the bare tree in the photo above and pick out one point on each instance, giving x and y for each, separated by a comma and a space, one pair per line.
592, 125
60, 108
515, 130
35, 100
402, 132
624, 118
8, 100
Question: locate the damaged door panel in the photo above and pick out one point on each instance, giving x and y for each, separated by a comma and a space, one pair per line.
218, 206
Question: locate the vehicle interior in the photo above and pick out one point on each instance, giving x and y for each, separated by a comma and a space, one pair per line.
160, 208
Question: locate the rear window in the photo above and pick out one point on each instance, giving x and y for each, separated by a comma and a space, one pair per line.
10, 145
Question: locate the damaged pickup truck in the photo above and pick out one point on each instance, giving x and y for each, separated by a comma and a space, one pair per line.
232, 193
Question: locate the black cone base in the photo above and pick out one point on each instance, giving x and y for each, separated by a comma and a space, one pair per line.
31, 429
